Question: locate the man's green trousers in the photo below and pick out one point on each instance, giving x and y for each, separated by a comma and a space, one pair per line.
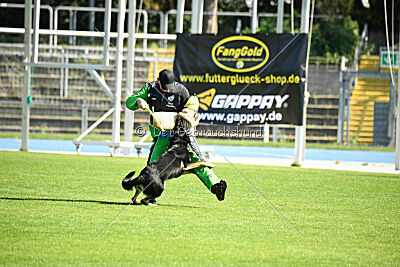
161, 144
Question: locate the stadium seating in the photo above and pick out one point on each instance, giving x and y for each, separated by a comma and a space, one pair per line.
364, 97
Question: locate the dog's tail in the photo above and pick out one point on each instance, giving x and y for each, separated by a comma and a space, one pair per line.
128, 183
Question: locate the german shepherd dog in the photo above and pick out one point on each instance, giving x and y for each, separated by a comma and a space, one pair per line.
171, 164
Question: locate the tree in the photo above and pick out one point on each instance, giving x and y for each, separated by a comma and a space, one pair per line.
334, 38
338, 7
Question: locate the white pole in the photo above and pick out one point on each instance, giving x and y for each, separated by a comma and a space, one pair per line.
279, 29
128, 125
200, 16
27, 76
95, 124
254, 18
92, 18
179, 17
292, 16
107, 26
306, 93
118, 75
266, 133
275, 133
197, 16
102, 83
214, 26
397, 159
36, 31
300, 130
194, 19
279, 18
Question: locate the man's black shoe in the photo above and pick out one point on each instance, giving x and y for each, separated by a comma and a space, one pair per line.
219, 190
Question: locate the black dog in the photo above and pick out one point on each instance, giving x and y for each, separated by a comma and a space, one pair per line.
171, 164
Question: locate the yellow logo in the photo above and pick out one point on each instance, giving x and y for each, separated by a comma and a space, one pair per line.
240, 53
205, 98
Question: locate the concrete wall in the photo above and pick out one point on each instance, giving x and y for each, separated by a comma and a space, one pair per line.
323, 80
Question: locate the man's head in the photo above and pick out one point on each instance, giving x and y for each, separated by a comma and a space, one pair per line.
166, 78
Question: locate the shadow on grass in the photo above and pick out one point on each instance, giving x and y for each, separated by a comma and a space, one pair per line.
89, 201
65, 200
180, 206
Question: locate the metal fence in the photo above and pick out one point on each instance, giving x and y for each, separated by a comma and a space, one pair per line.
73, 14
67, 100
64, 99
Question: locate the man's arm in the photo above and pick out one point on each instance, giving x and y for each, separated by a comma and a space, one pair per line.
131, 102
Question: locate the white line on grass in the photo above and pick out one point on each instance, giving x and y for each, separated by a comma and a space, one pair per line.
280, 213
131, 202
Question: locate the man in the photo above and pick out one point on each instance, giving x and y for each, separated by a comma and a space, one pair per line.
167, 97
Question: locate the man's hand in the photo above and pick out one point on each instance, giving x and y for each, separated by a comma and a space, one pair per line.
141, 103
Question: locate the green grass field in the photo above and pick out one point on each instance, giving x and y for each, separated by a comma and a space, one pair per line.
52, 207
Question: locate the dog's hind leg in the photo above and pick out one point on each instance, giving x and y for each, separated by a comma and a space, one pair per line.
146, 201
139, 190
189, 168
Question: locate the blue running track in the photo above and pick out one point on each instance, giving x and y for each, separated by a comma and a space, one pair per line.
227, 151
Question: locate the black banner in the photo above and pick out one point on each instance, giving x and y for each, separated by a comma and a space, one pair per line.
244, 79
